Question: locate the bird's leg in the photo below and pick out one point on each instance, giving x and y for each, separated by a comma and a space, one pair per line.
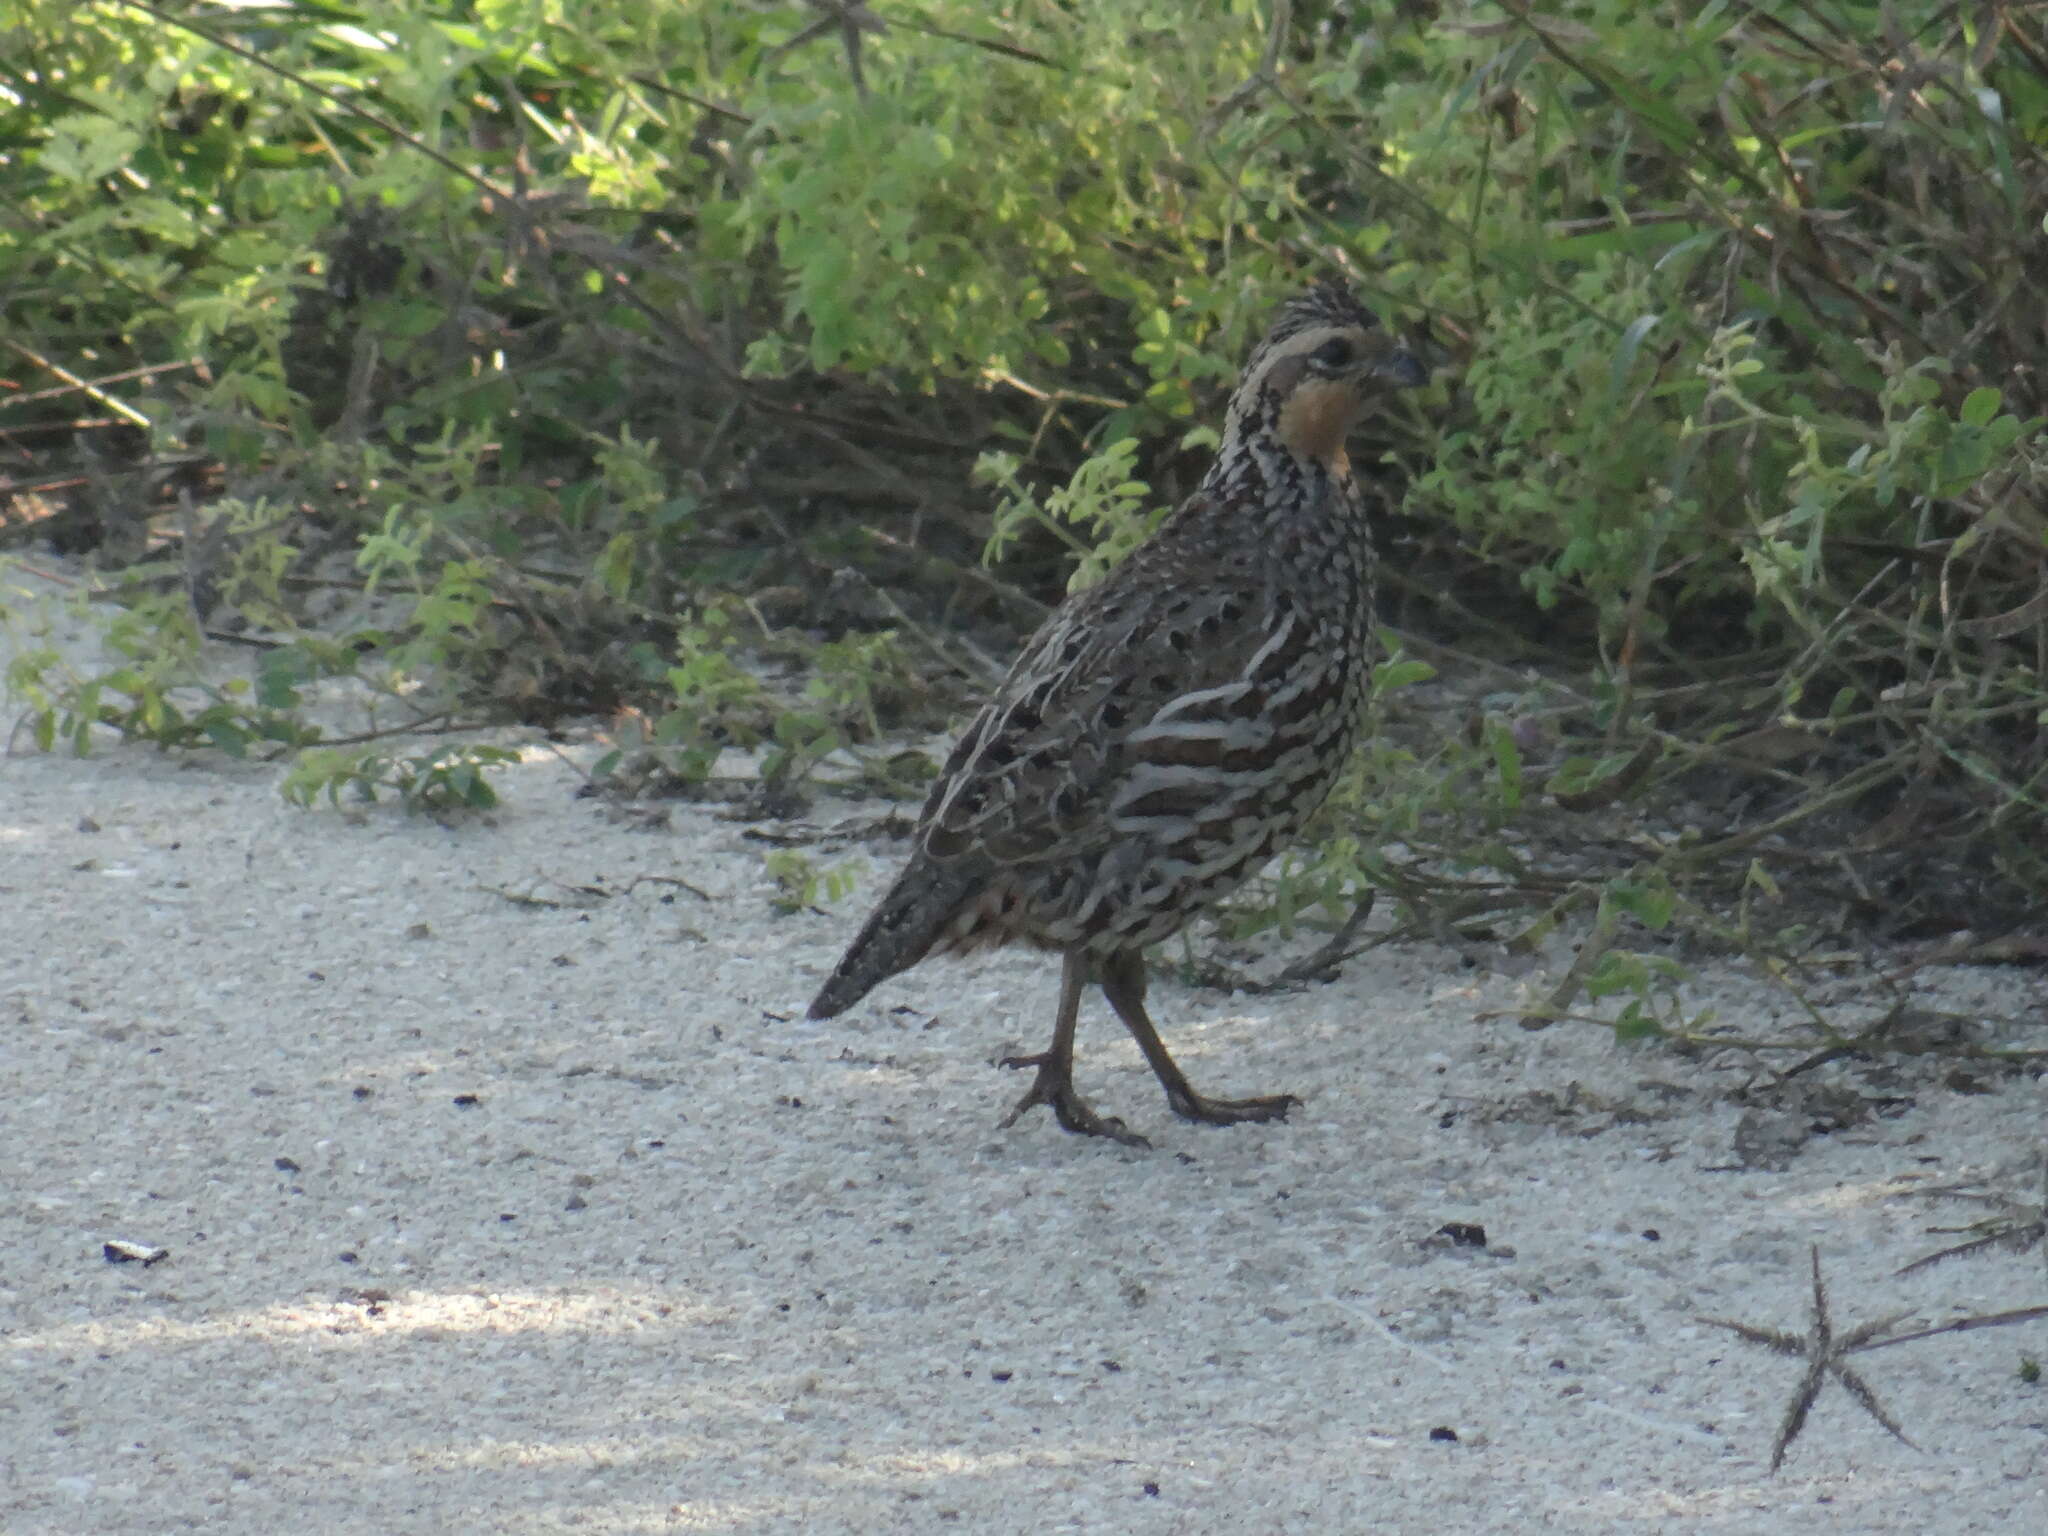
1123, 983
1054, 1084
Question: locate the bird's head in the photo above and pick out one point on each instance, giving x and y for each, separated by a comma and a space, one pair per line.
1325, 359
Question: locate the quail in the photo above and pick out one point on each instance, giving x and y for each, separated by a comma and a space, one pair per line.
1167, 730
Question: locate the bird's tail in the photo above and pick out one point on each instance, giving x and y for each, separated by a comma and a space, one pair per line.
906, 923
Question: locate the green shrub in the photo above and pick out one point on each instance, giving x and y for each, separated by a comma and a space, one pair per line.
544, 344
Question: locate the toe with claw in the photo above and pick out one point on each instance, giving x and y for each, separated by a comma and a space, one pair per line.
1054, 1087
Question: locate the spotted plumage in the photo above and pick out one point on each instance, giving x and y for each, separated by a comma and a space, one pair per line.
1166, 731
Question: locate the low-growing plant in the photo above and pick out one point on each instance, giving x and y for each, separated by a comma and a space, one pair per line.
157, 691
1101, 514
801, 883
162, 690
439, 781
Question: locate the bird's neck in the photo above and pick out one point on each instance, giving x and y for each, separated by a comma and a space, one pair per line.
1283, 488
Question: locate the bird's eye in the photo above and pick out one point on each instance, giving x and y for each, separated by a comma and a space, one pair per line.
1334, 353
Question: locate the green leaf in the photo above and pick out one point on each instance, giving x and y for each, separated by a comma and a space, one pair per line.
278, 677
1761, 878
228, 735
1650, 905
1980, 406
1389, 675
1625, 352
1633, 1025
1507, 758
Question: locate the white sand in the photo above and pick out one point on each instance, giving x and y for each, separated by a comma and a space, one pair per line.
687, 1262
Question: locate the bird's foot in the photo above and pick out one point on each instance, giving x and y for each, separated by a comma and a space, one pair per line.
1054, 1088
1193, 1106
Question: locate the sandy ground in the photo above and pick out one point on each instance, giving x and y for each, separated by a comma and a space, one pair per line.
487, 1216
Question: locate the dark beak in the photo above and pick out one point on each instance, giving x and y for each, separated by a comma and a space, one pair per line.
1401, 369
